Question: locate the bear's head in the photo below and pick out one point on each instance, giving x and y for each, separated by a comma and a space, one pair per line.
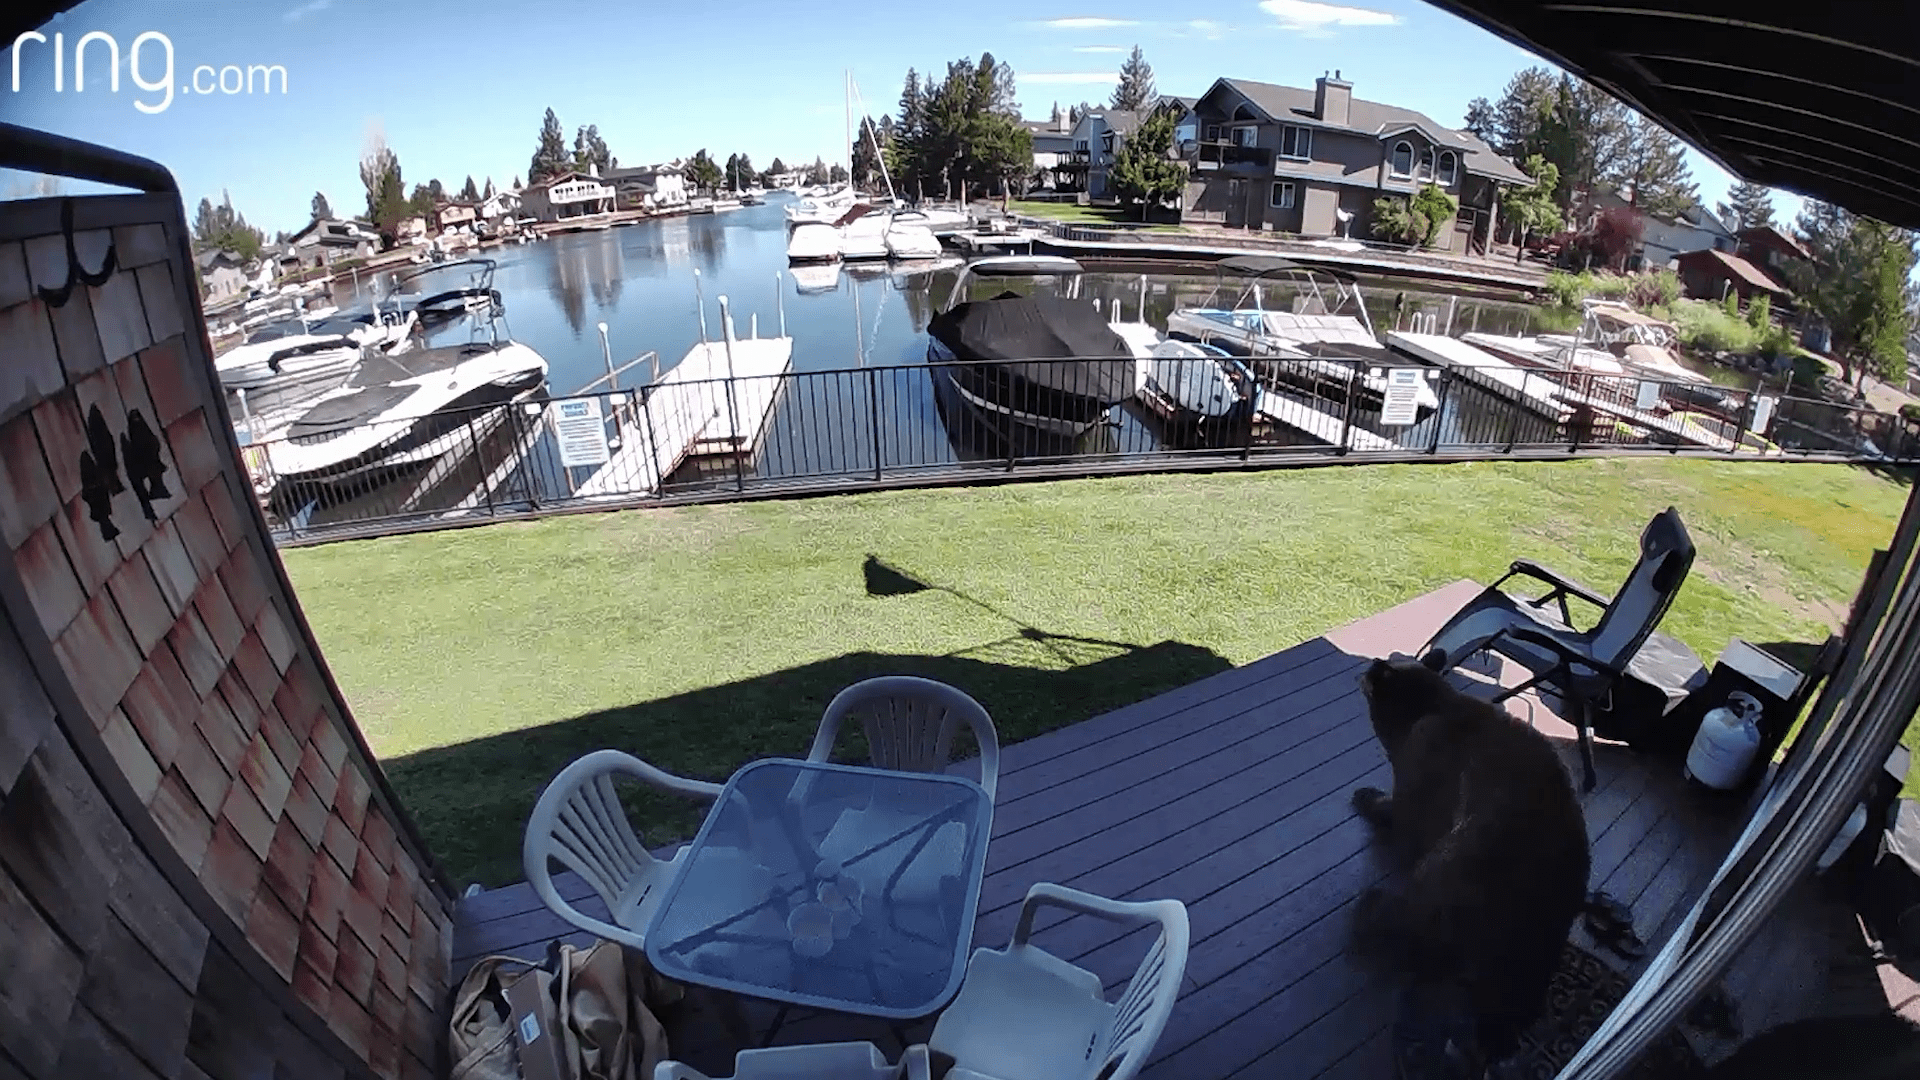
1400, 690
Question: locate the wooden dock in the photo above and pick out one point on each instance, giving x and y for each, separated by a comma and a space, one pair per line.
1323, 426
1535, 393
715, 402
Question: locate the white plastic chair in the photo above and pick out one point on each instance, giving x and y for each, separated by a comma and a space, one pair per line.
910, 723
579, 822
824, 1061
1025, 1014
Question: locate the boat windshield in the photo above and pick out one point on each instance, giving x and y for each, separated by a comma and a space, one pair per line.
440, 277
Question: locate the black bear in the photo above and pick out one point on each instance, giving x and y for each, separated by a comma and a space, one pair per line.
1485, 823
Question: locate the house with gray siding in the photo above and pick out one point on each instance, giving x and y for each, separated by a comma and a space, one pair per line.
1312, 162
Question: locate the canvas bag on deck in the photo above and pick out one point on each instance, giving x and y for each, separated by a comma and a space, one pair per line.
598, 1003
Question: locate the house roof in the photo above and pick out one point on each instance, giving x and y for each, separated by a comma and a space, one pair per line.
1769, 233
1292, 103
1818, 99
1735, 267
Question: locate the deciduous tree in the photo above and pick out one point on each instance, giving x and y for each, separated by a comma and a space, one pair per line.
386, 197
1435, 208
1532, 211
703, 172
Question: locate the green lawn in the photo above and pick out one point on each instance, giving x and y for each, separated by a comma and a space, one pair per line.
481, 661
1086, 215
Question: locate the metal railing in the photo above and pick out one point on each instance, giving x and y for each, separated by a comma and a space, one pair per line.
910, 424
1211, 155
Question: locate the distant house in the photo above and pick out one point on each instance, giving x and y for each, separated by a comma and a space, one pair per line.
568, 195
412, 230
1711, 274
220, 274
326, 241
1097, 140
1313, 162
649, 187
501, 204
1052, 143
454, 214
1663, 237
1772, 251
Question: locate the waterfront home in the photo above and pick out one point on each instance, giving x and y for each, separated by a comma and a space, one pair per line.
501, 205
453, 214
1773, 251
649, 187
1097, 139
568, 195
221, 275
1711, 274
1052, 149
1662, 236
1313, 162
326, 241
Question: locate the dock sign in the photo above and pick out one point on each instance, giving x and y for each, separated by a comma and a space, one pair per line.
1401, 405
581, 432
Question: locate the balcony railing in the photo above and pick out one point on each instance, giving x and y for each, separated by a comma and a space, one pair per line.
1214, 155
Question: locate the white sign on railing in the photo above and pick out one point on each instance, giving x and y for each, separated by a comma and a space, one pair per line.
581, 432
1648, 395
1402, 398
1762, 415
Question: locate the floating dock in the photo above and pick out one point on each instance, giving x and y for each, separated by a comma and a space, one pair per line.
1322, 426
714, 403
1530, 390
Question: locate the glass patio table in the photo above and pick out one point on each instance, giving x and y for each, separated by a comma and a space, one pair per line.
835, 887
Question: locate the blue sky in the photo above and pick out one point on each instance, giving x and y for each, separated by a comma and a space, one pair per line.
458, 87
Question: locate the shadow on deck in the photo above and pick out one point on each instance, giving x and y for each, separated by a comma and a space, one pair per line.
1231, 794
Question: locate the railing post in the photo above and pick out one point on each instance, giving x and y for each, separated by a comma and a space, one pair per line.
1253, 415
1740, 422
873, 413
1440, 408
644, 399
480, 462
733, 405
1513, 414
1585, 383
1346, 411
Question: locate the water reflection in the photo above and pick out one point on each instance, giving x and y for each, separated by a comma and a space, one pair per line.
583, 264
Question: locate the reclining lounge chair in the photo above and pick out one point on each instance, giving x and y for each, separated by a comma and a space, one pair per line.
1583, 667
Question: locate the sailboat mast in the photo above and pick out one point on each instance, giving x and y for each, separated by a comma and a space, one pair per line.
873, 136
846, 99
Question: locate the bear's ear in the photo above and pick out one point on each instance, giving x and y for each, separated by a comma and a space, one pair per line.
1435, 660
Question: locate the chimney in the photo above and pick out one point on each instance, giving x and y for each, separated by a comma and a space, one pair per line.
1331, 97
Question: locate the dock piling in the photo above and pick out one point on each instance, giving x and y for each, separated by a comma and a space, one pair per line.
701, 302
780, 301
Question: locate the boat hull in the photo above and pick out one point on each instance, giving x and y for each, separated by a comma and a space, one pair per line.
1004, 397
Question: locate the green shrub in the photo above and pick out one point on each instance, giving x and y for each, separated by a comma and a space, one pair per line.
1760, 311
1567, 290
1708, 327
1910, 412
1731, 304
1655, 288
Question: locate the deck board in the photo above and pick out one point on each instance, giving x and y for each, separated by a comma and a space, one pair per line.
1232, 794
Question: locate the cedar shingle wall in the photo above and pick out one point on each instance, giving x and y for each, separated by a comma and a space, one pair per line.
199, 875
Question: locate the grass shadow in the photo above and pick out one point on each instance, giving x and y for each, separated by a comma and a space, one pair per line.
472, 799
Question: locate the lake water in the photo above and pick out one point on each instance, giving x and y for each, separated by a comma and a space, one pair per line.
640, 281
881, 412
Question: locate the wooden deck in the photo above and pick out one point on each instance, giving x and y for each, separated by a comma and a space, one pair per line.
1231, 794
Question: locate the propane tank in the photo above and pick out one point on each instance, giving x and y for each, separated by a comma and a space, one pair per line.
1726, 743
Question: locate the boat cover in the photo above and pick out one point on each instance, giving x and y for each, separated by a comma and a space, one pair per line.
360, 407
1010, 328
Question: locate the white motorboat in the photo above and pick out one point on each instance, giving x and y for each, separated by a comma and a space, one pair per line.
1323, 342
825, 208
863, 232
937, 220
814, 242
399, 410
285, 359
908, 241
437, 294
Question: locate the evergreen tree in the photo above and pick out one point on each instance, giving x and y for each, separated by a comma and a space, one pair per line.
550, 157
745, 175
220, 227
386, 198
1144, 175
703, 172
1651, 171
1748, 206
470, 191
321, 211
1857, 280
1482, 123
778, 168
435, 192
590, 151
1135, 89
420, 203
866, 156
488, 192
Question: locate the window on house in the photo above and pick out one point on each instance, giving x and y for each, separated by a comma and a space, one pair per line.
1426, 163
1296, 141
1246, 136
1401, 162
1213, 132
1449, 168
1282, 196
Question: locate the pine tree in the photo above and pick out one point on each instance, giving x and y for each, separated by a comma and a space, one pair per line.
550, 157
1748, 206
1135, 90
590, 151
488, 192
1857, 280
1651, 171
1482, 122
435, 191
321, 211
470, 191
1143, 173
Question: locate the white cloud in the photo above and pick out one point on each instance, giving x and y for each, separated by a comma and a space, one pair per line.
1071, 78
1099, 48
1206, 28
1317, 20
311, 7
1087, 22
